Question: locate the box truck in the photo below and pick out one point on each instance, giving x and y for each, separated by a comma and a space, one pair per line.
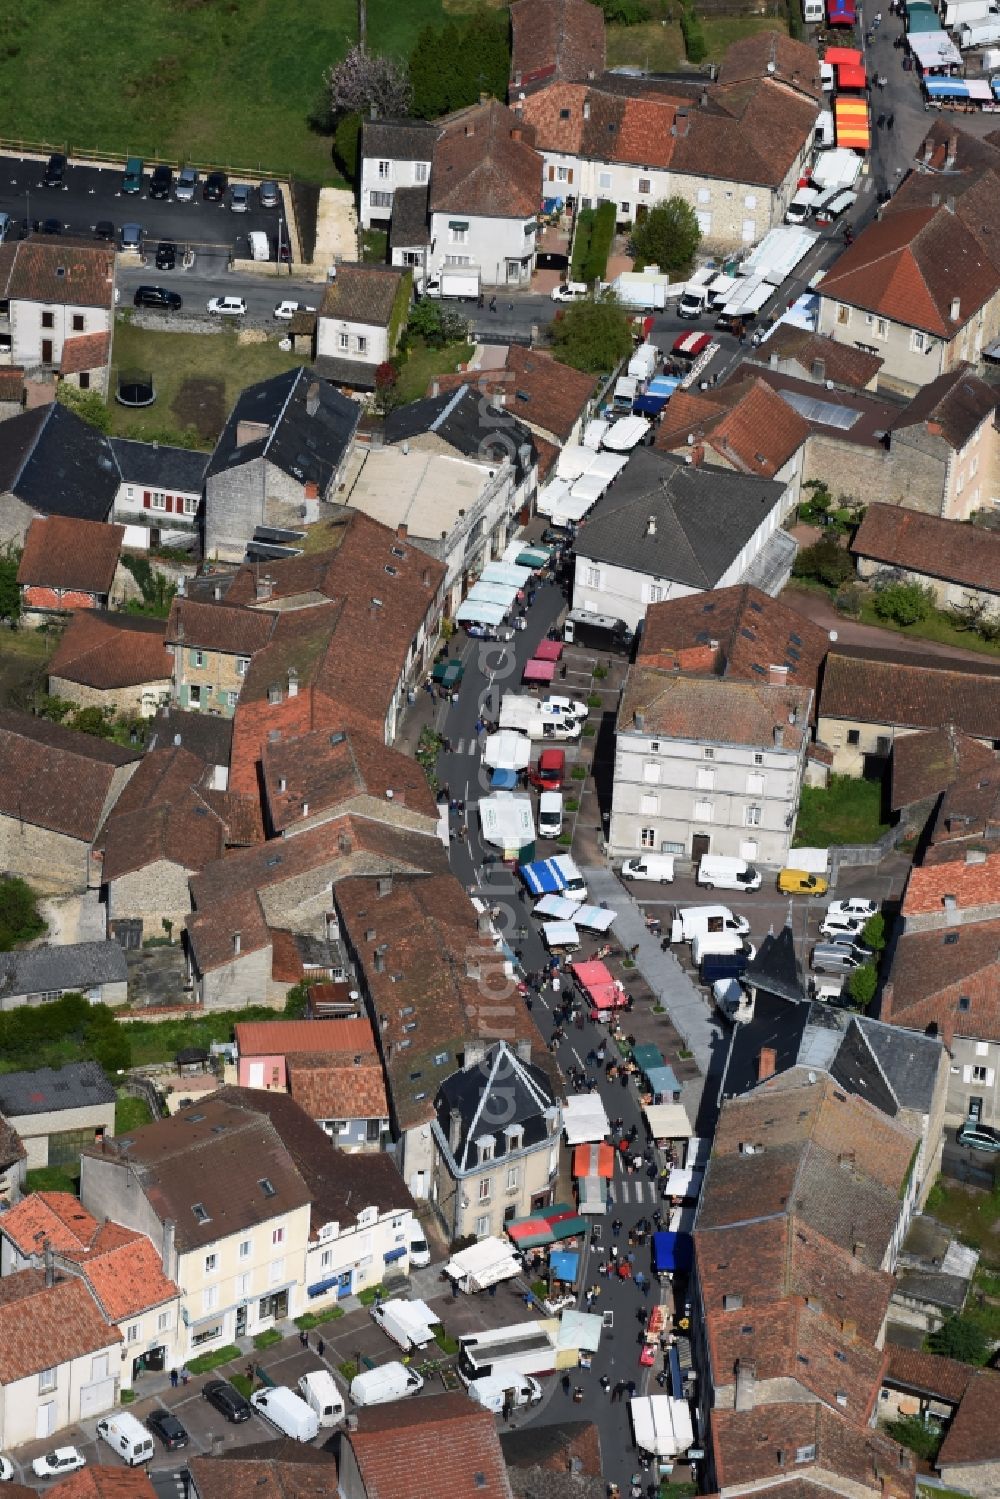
716, 944
695, 296
507, 1392
452, 284
505, 1352
387, 1382
646, 290
292, 1416
602, 632
411, 1324
127, 1436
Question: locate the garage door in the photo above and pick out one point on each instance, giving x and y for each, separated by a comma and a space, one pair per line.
97, 1397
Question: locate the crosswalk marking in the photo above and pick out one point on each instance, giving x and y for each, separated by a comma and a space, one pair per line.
624, 1189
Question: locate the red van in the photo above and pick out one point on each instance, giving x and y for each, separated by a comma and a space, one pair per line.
550, 772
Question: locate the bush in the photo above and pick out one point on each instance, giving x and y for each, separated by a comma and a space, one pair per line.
668, 236
695, 44
348, 1369
873, 932
446, 1344
582, 233
794, 20
826, 561
579, 773
625, 12
346, 146
214, 1360
862, 984
850, 599
371, 1294
960, 1338
917, 1435
602, 237
904, 603
267, 1339
19, 918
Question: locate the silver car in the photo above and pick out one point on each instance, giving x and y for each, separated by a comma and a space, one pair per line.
239, 197
270, 195
187, 181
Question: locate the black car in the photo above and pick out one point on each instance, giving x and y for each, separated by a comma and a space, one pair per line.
157, 296
55, 170
52, 226
161, 182
166, 255
228, 1401
215, 187
105, 230
169, 1430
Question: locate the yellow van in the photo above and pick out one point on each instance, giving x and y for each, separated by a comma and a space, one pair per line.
800, 882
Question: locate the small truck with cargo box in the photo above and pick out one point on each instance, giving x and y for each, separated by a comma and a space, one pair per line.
127, 1436
411, 1324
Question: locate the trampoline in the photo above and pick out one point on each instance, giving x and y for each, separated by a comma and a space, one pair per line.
135, 388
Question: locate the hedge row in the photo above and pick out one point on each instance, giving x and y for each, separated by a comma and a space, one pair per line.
695, 44
595, 233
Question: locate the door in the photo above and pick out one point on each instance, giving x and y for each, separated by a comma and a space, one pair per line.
256, 1079
97, 1397
45, 1419
241, 1321
701, 843
975, 1109
46, 351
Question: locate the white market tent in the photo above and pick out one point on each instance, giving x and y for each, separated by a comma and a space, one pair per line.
483, 1265
506, 820
493, 593
624, 435
584, 1119
683, 1182
661, 1425
507, 751
594, 918
575, 460
571, 509
589, 488
933, 49
607, 466
593, 432
668, 1121
479, 611
560, 934
505, 572
550, 498
579, 1330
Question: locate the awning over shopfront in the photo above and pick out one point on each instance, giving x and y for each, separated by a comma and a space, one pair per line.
683, 1182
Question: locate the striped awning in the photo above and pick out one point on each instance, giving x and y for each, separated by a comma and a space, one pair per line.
851, 116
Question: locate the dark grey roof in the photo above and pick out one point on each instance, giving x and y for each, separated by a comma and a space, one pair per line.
207, 735
704, 517
489, 1096
157, 464
308, 445
57, 464
79, 965
398, 140
78, 1085
934, 1288
775, 1024
856, 1069
351, 372
909, 1060
462, 420
776, 969
408, 226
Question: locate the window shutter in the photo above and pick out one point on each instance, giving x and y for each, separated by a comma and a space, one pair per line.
192, 658
569, 175
990, 1075
967, 1074
184, 695
552, 174
147, 499
168, 501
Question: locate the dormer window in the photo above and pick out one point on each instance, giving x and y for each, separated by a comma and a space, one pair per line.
486, 1145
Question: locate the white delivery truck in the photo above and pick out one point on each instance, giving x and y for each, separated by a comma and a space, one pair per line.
127, 1436
644, 361
955, 13
550, 814
979, 34
526, 715
387, 1382
837, 168
319, 1391
732, 1001
260, 249
694, 297
802, 205
510, 1392
718, 870
411, 1324
646, 290
715, 943
287, 1411
690, 921
826, 130
503, 1352
454, 284
812, 12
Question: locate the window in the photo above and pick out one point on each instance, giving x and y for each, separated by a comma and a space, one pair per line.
704, 195
964, 1003
854, 736
751, 816
210, 1299
758, 759
980, 1074
373, 1131
278, 1236
487, 1149
232, 698
275, 1272
883, 744
241, 1284
326, 1259
458, 234
918, 342
651, 773
750, 201
78, 322
163, 1322
457, 260
130, 491
485, 1188
806, 1454
190, 504
482, 1226
710, 754
246, 1248
420, 171
732, 1302
132, 1332
362, 344
604, 179
645, 185
242, 665
655, 591
84, 379
198, 1208
159, 500
343, 341
211, 1263
593, 577
755, 785
647, 838
562, 174
650, 804
384, 170
704, 779
380, 200
843, 315
48, 321
197, 658
513, 1178
625, 210
47, 1380
412, 257
703, 811
881, 327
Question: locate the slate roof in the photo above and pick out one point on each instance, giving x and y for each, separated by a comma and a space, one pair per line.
362, 294
950, 550
340, 1184
207, 735
109, 651
873, 685
54, 777
844, 365
303, 445
408, 226
484, 165
441, 1444
217, 1156
776, 968
924, 765
63, 552
61, 274
500, 1088
398, 140
43, 1326
973, 1436
218, 627
462, 420
77, 965
57, 464
554, 40
56, 1218
706, 710
50, 1090
325, 770
159, 466
704, 518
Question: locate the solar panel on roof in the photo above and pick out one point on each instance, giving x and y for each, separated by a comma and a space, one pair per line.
824, 413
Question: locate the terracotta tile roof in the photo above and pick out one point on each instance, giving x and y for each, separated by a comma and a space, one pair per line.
327, 769
752, 132
339, 1085
11, 1146
255, 1038
361, 294
273, 1470
64, 274
553, 1448
106, 651
974, 1435
771, 55
910, 266
88, 351
970, 808
161, 816
11, 383
441, 1444
927, 1373
951, 550
967, 885
213, 933
915, 692
62, 552
56, 1218
287, 966
535, 388
751, 428
752, 1446
125, 1273
555, 112
485, 164
217, 1157
54, 777
242, 815
924, 765
702, 708
105, 1483
948, 977
554, 39
753, 633
954, 406
42, 1326
217, 627
842, 364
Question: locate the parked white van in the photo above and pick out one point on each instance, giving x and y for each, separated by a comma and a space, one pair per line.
717, 943
127, 1436
550, 814
319, 1391
287, 1411
657, 867
716, 870
259, 247
497, 1391
689, 921
387, 1382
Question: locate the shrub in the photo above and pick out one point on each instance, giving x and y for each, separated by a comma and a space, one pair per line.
873, 932
348, 1369
826, 561
214, 1360
850, 599
19, 918
794, 20
916, 1434
960, 1338
267, 1339
695, 44
579, 773
862, 984
601, 239
904, 603
371, 1294
581, 242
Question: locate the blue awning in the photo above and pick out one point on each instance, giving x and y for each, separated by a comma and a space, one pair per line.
541, 878
674, 1369
649, 405
948, 88
394, 1254
672, 1252
564, 1264
323, 1285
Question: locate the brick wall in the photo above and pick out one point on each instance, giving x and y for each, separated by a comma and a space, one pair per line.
50, 861
35, 596
141, 699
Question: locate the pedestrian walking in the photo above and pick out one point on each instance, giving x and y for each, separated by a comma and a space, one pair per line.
175, 1379
890, 122
304, 1338
880, 122
321, 1347
631, 1388
566, 1382
605, 1384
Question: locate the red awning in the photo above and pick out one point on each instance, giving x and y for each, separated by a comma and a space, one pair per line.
691, 344
851, 117
835, 56
851, 75
548, 650
594, 1160
539, 671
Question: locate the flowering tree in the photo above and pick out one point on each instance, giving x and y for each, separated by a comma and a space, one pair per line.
365, 80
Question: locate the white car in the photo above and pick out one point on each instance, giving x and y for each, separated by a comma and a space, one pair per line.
568, 705
235, 306
856, 906
286, 310
570, 291
420, 1254
6, 1469
58, 1463
842, 926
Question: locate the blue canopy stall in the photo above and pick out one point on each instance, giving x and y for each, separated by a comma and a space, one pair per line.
672, 1252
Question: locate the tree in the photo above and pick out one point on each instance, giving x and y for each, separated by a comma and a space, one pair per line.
904, 603
346, 141
19, 918
88, 405
960, 1338
625, 12
826, 561
386, 381
365, 80
593, 335
862, 984
668, 236
10, 592
873, 932
453, 64
917, 1434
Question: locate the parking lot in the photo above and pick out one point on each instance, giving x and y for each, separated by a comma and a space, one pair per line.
90, 195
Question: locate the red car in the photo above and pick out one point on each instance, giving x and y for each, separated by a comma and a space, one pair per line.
550, 772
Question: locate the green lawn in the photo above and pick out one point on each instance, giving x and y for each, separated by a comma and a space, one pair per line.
422, 364
657, 45
160, 1042
197, 376
937, 626
23, 654
53, 1179
130, 1113
847, 811
219, 82
722, 31
975, 1217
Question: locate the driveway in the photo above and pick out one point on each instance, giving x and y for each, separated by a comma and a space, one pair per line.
818, 608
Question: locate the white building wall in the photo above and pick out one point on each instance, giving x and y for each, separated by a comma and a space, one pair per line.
28, 334
341, 338
358, 1254
379, 180
27, 1410
503, 249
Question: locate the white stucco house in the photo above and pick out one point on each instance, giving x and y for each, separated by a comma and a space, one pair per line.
57, 299
394, 154
360, 320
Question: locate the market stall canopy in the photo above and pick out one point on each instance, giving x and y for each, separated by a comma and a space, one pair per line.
538, 671
647, 1055
547, 1226
584, 1119
594, 918
580, 1330
690, 345
593, 432
979, 88
478, 611
921, 23
574, 461
535, 557
507, 820
649, 404
662, 1079
594, 1160
572, 509
596, 980
665, 385
683, 1182
668, 1121
551, 496
948, 88
851, 75
548, 650
589, 488
564, 1264
560, 934
503, 780
837, 55
672, 1252
593, 1194
483, 1264
623, 436
851, 116
661, 1425
933, 49
608, 466
493, 593
505, 572
507, 750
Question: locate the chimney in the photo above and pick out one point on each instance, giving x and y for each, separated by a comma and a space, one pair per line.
819, 370
402, 531
305, 809
651, 526
282, 784
704, 98
779, 736
380, 953
746, 1380
949, 160
472, 969
310, 490
935, 200
928, 150
956, 309
517, 133
383, 886
949, 203
774, 360
50, 1269
483, 923
767, 1062
697, 454
777, 675
523, 1049
312, 399
237, 943
167, 1247
217, 592
682, 122
264, 588
454, 1130
975, 856
177, 741
639, 720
